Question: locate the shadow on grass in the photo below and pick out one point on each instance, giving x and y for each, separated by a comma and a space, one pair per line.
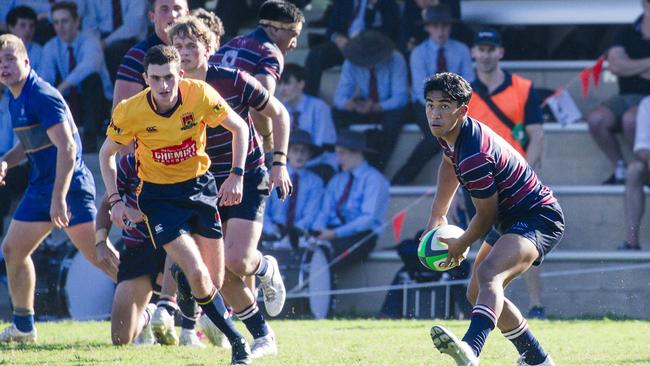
55, 346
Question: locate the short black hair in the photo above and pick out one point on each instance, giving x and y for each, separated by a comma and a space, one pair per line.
161, 55
295, 70
280, 11
20, 12
451, 85
66, 5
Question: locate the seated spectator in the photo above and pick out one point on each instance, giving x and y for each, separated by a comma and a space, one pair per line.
629, 59
638, 175
355, 202
295, 216
17, 177
349, 18
411, 31
119, 24
437, 54
310, 114
21, 22
42, 8
74, 63
373, 89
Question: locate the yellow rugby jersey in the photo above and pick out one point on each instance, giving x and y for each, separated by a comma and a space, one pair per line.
170, 147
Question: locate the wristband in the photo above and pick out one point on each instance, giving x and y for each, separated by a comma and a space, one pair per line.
113, 203
237, 171
101, 235
114, 194
278, 163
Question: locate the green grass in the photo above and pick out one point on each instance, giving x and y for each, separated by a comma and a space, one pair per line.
344, 342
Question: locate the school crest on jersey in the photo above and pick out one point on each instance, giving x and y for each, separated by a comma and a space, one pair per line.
219, 108
187, 121
115, 128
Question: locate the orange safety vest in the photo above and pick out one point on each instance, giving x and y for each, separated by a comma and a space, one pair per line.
511, 101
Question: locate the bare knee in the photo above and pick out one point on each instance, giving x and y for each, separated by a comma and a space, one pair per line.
121, 338
12, 252
601, 120
636, 172
486, 275
241, 264
628, 122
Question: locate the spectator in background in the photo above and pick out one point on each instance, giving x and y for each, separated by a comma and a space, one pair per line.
438, 53
508, 104
74, 63
355, 202
21, 22
629, 59
638, 175
373, 88
17, 178
261, 53
349, 18
312, 115
118, 23
412, 30
44, 30
212, 21
295, 216
162, 13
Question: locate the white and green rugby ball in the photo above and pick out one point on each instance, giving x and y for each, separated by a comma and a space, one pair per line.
432, 252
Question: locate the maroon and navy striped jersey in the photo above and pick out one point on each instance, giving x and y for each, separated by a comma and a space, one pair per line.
241, 91
127, 186
486, 164
132, 65
254, 53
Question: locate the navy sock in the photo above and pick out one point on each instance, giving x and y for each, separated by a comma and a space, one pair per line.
481, 324
263, 267
168, 304
188, 322
24, 320
526, 344
254, 321
214, 307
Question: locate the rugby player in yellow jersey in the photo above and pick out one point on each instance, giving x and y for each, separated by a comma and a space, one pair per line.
178, 195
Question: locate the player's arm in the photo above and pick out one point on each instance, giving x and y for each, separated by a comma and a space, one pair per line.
262, 123
445, 190
231, 190
107, 256
61, 136
10, 159
279, 116
535, 133
124, 90
620, 64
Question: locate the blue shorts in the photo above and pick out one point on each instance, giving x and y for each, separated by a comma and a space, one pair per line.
255, 193
35, 205
140, 260
543, 226
172, 210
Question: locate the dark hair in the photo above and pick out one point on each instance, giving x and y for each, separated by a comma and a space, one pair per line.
211, 20
451, 85
66, 5
295, 70
161, 55
20, 12
280, 11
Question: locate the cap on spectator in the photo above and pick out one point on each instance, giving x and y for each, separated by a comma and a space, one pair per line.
300, 137
352, 140
439, 14
368, 49
487, 36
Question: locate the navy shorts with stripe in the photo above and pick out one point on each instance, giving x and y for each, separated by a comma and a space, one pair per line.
172, 210
140, 260
255, 193
543, 226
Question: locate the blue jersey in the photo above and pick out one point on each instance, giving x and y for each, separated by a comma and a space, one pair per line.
39, 107
486, 164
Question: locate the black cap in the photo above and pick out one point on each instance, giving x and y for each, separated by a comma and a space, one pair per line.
487, 36
300, 137
437, 14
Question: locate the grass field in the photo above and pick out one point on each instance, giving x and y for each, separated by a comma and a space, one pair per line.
344, 342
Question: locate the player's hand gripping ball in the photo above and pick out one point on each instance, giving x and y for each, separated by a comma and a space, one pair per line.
432, 252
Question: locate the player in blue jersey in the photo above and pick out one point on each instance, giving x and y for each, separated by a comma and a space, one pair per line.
242, 222
61, 190
507, 195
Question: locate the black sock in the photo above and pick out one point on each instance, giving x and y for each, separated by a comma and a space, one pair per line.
526, 344
254, 321
214, 307
481, 324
